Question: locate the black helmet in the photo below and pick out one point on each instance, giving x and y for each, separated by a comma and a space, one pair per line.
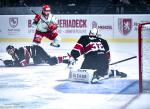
9, 47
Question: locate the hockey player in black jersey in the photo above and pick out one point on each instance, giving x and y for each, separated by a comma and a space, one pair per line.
22, 55
96, 54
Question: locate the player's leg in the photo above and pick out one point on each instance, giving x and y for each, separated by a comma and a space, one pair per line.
37, 38
56, 39
38, 54
101, 73
43, 57
56, 60
101, 64
98, 63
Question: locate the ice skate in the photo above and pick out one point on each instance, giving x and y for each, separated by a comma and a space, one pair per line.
121, 74
116, 73
54, 45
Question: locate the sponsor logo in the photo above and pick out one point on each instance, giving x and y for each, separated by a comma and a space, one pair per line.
79, 76
72, 26
13, 30
13, 22
94, 24
82, 70
124, 25
102, 27
72, 23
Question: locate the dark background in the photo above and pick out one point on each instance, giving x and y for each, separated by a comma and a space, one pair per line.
13, 7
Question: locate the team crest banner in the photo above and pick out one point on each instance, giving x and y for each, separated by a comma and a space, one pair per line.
124, 25
13, 22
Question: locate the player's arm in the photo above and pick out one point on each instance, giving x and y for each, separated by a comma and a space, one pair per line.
54, 20
36, 19
107, 50
78, 49
8, 63
21, 58
53, 24
11, 63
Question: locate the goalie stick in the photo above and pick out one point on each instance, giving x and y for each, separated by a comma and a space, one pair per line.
123, 60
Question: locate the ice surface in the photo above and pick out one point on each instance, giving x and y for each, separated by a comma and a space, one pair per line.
41, 87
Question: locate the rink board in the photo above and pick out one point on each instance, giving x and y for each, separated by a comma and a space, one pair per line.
108, 86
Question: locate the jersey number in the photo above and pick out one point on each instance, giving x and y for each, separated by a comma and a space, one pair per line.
97, 46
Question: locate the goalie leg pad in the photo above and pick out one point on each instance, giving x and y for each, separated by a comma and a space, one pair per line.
81, 75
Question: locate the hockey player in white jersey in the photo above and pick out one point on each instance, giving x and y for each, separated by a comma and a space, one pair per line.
46, 26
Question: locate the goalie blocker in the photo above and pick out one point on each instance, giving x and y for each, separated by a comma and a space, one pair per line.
87, 75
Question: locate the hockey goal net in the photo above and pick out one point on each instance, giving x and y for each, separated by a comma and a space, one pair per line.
144, 57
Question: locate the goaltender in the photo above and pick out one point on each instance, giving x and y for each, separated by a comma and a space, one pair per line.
96, 55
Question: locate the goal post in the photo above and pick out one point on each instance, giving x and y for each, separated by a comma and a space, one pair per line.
143, 47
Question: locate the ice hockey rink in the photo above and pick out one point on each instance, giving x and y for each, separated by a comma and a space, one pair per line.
47, 87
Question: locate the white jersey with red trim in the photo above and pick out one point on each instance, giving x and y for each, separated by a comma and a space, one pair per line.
42, 26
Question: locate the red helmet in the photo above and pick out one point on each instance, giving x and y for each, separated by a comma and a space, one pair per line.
46, 8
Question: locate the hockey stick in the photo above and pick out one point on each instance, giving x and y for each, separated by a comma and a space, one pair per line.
30, 9
1, 59
123, 60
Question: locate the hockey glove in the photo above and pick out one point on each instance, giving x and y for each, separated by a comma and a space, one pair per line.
8, 63
52, 27
72, 61
37, 17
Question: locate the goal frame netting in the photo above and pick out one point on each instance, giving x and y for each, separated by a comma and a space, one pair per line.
140, 46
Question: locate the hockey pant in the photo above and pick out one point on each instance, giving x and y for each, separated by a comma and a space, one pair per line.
100, 64
50, 35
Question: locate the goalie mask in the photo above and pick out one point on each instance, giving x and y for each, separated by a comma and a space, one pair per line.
94, 32
10, 49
